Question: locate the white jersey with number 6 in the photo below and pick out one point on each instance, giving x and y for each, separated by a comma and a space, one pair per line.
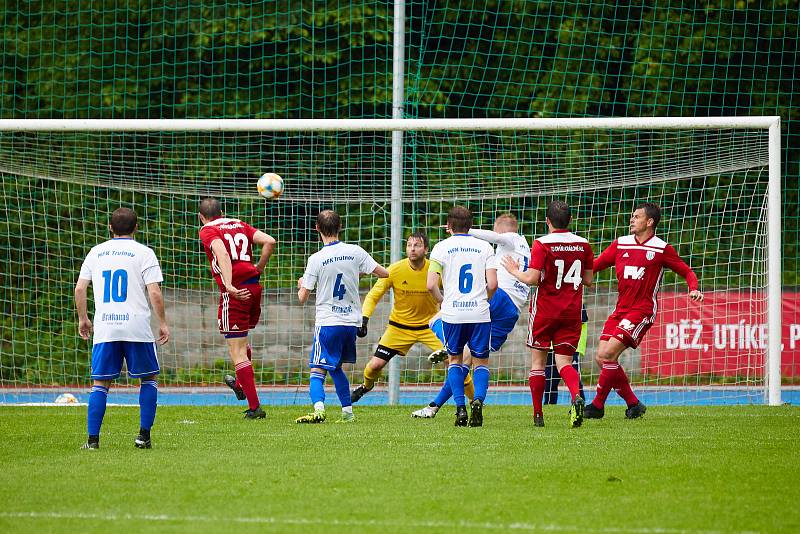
120, 270
334, 272
464, 260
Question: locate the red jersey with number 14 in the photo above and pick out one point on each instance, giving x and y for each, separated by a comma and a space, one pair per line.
562, 257
237, 236
640, 267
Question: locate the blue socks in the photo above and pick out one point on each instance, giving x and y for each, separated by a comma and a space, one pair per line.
316, 386
480, 376
97, 409
148, 399
455, 377
342, 386
444, 394
340, 382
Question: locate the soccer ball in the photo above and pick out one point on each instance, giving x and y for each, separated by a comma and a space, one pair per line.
66, 398
270, 185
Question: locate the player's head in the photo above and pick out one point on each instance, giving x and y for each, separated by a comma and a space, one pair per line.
123, 222
210, 209
417, 246
645, 217
558, 214
328, 223
459, 220
506, 222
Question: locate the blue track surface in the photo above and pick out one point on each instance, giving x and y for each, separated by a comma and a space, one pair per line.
675, 397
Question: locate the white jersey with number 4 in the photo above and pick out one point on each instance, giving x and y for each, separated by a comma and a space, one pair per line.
514, 245
334, 272
120, 270
464, 260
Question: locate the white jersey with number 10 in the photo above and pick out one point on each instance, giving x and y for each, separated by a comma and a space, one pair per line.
120, 270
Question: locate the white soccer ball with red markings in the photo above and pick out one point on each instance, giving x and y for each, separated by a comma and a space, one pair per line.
270, 185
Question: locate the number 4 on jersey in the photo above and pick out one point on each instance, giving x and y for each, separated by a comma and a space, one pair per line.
338, 287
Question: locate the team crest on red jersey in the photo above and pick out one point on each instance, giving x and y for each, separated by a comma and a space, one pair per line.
650, 255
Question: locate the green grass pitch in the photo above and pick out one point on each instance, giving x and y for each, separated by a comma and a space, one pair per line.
678, 469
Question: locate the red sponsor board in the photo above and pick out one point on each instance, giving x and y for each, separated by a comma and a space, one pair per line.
724, 335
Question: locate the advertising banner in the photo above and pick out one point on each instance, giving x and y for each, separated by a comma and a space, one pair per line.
724, 335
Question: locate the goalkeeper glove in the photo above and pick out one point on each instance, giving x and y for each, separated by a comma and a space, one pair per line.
362, 331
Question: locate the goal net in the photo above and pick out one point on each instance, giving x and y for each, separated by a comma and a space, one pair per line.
59, 188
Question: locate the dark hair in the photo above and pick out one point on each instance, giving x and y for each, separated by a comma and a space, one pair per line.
559, 214
459, 219
329, 223
210, 208
651, 211
123, 221
422, 236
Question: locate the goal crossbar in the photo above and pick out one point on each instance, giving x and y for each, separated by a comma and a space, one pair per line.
376, 125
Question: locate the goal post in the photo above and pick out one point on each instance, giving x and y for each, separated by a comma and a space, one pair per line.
775, 267
492, 165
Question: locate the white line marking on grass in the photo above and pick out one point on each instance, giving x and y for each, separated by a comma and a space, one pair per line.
450, 525
54, 405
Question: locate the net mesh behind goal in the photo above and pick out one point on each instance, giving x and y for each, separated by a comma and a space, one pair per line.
58, 190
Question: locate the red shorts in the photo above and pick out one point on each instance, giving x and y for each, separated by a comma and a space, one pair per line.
563, 334
236, 317
629, 326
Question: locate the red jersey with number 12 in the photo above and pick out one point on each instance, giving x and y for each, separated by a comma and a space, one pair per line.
640, 267
237, 236
562, 257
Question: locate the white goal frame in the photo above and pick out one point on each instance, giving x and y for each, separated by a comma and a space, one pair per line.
772, 373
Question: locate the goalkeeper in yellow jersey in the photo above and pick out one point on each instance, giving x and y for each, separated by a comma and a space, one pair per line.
410, 316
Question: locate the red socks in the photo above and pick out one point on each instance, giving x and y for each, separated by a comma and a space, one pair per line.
604, 383
249, 359
613, 376
247, 380
571, 378
536, 382
623, 387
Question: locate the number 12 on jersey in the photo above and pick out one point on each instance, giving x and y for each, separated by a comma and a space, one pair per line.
239, 246
573, 276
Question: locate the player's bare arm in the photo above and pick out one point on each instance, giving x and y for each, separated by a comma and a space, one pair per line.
588, 278
302, 293
491, 283
84, 323
380, 271
433, 286
530, 277
267, 244
226, 270
157, 300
